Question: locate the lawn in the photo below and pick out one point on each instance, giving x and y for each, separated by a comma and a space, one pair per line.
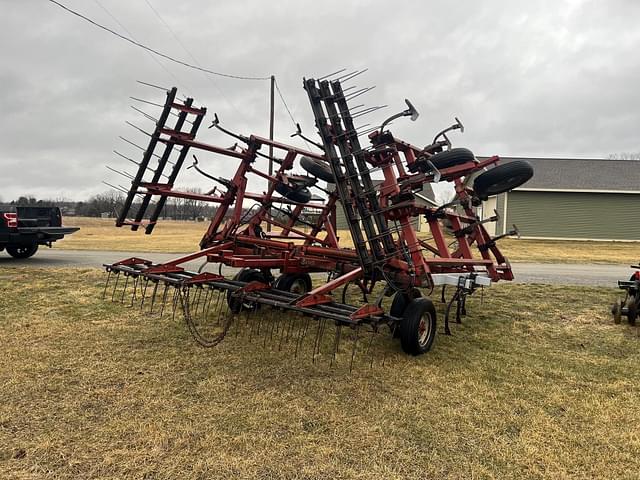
173, 236
536, 383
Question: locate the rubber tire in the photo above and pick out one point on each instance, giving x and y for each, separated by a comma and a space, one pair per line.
245, 275
399, 305
502, 178
451, 158
632, 311
616, 311
286, 281
409, 328
317, 168
300, 195
22, 251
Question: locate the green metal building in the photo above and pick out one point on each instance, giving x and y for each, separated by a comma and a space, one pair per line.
578, 199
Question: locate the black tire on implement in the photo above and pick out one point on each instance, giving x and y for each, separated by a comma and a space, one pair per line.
418, 327
451, 158
399, 305
294, 282
317, 168
502, 178
22, 251
236, 305
300, 195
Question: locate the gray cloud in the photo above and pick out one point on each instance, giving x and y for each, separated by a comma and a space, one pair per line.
547, 78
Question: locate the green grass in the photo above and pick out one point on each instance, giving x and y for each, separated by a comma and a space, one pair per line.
536, 383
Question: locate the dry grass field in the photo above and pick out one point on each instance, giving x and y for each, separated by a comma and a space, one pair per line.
536, 383
176, 237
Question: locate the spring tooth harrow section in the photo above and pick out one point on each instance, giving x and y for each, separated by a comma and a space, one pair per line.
389, 259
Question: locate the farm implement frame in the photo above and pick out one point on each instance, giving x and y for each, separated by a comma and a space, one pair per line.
389, 258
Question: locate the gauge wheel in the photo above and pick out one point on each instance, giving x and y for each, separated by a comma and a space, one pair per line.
236, 304
418, 326
317, 168
452, 158
299, 194
399, 305
298, 283
502, 178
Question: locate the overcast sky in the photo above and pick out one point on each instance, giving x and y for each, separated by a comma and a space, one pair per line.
543, 78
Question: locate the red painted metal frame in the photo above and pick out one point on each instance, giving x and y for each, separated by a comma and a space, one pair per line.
236, 241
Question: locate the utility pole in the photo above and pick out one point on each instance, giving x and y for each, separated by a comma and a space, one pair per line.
273, 86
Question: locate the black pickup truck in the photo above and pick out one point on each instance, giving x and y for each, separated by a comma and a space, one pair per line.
24, 228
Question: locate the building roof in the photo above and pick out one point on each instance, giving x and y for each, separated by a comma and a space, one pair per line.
582, 174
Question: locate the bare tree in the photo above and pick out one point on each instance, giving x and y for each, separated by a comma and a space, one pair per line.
624, 156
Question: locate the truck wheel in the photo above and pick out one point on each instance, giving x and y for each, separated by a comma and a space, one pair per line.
418, 327
298, 283
236, 305
22, 251
502, 178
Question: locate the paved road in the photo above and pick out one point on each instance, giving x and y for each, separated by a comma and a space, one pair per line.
567, 274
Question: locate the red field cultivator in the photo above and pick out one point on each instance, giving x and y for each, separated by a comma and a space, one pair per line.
291, 229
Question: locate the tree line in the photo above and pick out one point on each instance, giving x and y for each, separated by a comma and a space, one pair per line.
109, 204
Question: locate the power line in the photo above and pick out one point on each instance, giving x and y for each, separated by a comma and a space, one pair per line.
295, 124
160, 54
158, 62
184, 47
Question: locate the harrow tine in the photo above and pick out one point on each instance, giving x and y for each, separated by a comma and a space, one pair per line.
353, 75
153, 296
357, 93
115, 286
217, 309
282, 332
346, 75
176, 294
137, 128
336, 345
259, 322
145, 114
196, 300
134, 296
141, 100
137, 146
164, 298
106, 285
144, 292
331, 74
123, 173
264, 342
353, 351
206, 306
303, 334
152, 85
369, 349
124, 290
138, 163
118, 189
318, 340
